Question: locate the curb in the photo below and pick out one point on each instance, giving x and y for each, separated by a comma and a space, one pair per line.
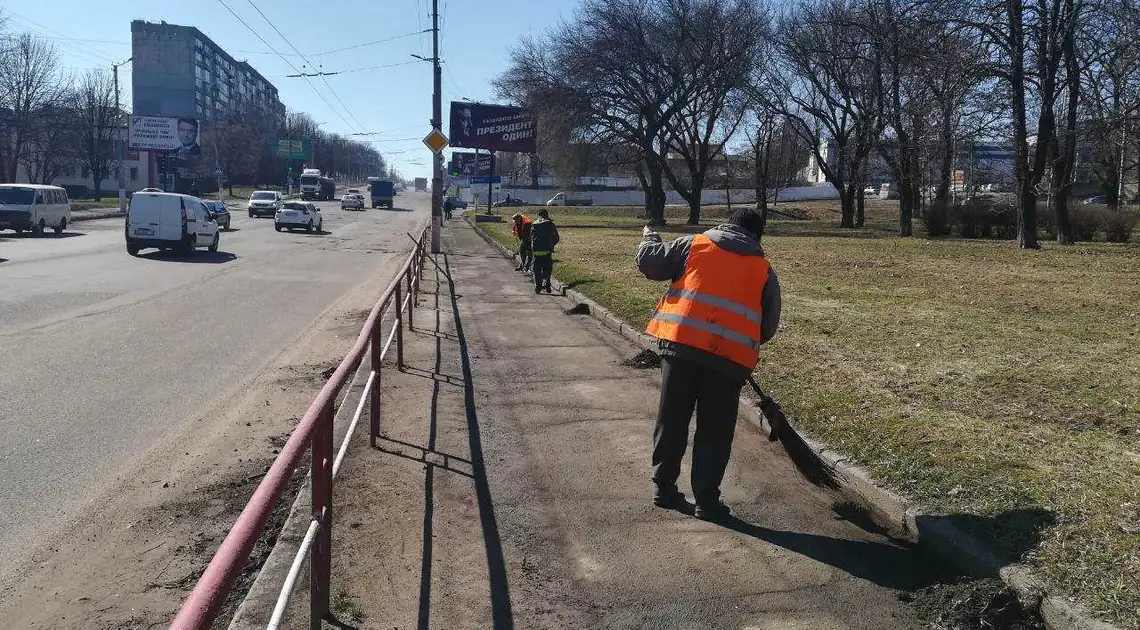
887, 508
101, 215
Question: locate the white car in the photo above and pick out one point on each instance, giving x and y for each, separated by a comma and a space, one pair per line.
354, 202
264, 203
169, 221
298, 214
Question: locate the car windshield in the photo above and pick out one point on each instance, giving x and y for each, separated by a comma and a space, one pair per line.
264, 196
296, 206
17, 195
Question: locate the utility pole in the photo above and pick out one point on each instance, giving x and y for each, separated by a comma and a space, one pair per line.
119, 140
437, 123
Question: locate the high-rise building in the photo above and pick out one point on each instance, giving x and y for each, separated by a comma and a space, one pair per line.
178, 71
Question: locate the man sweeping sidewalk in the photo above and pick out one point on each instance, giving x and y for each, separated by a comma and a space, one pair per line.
723, 303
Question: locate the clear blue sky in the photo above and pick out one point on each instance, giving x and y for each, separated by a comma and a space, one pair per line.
476, 37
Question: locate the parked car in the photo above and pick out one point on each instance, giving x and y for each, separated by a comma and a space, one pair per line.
169, 221
264, 203
354, 191
352, 202
1099, 200
298, 214
509, 202
456, 203
34, 208
220, 213
571, 199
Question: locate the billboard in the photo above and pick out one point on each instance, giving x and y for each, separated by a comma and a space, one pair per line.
154, 133
493, 127
463, 164
292, 149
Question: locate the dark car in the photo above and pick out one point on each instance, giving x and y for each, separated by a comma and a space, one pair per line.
456, 203
220, 213
509, 202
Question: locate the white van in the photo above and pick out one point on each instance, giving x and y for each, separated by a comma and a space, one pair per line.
169, 221
34, 208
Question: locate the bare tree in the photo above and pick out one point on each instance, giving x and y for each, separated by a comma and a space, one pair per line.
29, 83
99, 121
718, 45
51, 149
824, 79
1110, 68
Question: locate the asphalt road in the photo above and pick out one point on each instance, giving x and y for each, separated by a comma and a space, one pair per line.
104, 355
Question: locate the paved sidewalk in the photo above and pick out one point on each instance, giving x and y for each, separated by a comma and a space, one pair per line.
512, 489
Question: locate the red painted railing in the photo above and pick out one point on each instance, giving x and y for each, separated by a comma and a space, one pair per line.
315, 430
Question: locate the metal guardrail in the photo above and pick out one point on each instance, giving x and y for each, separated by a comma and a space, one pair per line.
315, 429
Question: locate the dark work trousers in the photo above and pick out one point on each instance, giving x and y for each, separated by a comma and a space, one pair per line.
686, 385
526, 258
543, 266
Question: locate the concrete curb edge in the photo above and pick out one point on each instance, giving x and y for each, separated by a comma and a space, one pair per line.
93, 217
888, 508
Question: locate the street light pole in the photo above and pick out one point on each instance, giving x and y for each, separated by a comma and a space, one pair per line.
437, 123
119, 141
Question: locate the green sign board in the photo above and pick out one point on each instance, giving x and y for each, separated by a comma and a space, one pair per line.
292, 149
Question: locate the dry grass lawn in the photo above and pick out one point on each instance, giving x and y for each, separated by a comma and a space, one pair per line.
972, 377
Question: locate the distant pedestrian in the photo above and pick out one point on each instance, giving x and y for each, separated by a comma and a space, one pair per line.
448, 206
544, 237
722, 305
521, 229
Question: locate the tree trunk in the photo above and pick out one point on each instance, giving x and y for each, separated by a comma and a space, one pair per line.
655, 194
847, 207
760, 182
860, 207
1026, 193
1066, 157
694, 208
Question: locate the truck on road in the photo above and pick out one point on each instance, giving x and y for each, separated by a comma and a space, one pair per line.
383, 192
570, 199
315, 186
421, 184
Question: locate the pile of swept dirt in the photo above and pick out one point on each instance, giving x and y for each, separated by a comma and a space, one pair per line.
644, 360
986, 604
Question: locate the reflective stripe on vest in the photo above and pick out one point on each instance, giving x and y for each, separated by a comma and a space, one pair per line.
713, 300
719, 331
715, 305
540, 253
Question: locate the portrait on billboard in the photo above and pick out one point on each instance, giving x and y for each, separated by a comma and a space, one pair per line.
188, 137
492, 127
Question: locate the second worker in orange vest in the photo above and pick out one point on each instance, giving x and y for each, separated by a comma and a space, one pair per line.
723, 303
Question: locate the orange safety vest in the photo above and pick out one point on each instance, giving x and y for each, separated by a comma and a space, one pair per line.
715, 305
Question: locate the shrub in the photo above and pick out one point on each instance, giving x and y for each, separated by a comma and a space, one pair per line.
937, 220
1000, 221
969, 217
1119, 224
1085, 221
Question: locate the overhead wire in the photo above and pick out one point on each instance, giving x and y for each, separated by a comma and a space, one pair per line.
72, 47
311, 64
287, 62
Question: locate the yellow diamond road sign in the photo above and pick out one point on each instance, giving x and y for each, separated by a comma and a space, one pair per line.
435, 141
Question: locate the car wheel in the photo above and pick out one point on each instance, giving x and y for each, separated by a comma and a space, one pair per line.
251, 214
309, 227
277, 226
61, 227
227, 228
187, 246
214, 244
321, 226
38, 229
132, 249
